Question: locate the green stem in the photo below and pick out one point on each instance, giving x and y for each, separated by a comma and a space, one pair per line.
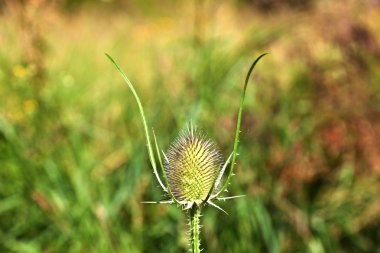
195, 217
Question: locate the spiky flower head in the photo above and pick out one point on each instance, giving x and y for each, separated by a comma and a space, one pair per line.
192, 165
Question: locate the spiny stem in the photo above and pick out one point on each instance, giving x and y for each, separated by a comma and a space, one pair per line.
195, 215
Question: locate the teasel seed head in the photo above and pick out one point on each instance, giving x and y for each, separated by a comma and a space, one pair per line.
192, 164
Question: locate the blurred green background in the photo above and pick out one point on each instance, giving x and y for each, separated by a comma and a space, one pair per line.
73, 163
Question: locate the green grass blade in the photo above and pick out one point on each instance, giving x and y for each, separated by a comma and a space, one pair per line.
147, 137
234, 153
163, 170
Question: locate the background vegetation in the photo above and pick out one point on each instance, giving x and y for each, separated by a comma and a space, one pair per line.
73, 164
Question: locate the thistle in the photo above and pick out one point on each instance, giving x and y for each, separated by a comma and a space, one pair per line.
192, 169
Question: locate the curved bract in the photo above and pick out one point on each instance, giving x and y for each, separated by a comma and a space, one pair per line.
238, 123
142, 114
